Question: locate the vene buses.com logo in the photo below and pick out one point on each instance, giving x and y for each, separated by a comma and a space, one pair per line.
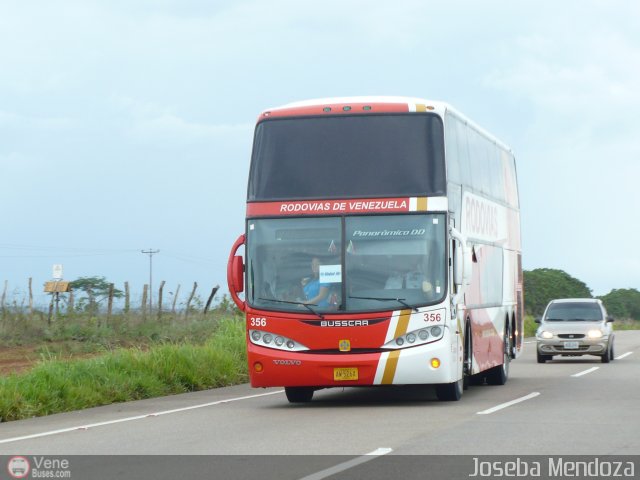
18, 467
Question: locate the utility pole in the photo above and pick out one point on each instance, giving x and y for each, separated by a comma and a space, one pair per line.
151, 253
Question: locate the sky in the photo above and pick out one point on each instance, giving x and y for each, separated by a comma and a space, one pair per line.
126, 125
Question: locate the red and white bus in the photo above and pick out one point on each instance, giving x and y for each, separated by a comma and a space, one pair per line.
382, 247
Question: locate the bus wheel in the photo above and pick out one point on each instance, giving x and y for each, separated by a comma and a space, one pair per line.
451, 392
468, 357
499, 375
299, 394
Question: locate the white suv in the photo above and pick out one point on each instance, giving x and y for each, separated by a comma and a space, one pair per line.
574, 327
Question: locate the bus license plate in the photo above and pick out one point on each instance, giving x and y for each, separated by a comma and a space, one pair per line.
341, 374
571, 345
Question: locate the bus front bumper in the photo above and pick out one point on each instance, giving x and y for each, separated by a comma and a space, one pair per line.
433, 363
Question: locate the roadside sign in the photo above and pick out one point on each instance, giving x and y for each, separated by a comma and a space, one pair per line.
56, 287
57, 271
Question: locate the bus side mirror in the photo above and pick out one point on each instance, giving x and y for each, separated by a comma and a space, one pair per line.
457, 268
467, 262
235, 273
463, 260
463, 265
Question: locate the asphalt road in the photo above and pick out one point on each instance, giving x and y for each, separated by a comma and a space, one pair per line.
564, 407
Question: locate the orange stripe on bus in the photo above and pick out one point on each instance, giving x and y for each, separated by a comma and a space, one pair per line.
390, 367
403, 323
421, 204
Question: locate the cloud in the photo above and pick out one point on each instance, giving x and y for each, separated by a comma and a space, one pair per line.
151, 122
10, 120
572, 74
171, 126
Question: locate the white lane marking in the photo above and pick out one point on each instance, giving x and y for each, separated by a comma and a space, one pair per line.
137, 417
585, 372
508, 404
624, 355
341, 467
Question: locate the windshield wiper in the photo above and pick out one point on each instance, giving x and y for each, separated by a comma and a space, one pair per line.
305, 305
385, 299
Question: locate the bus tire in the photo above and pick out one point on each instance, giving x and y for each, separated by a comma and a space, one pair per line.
500, 374
299, 394
451, 392
514, 341
467, 358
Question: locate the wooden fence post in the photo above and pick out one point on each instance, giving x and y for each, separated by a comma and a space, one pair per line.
193, 292
160, 299
70, 304
213, 294
30, 298
144, 301
50, 309
110, 302
92, 304
4, 297
126, 297
175, 299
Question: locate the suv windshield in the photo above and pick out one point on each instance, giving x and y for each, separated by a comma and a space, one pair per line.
350, 264
568, 312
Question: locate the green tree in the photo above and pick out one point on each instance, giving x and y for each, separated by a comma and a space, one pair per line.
544, 284
623, 303
95, 289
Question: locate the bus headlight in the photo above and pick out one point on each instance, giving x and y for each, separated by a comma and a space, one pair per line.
417, 337
266, 339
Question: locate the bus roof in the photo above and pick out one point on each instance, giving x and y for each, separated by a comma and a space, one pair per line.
369, 105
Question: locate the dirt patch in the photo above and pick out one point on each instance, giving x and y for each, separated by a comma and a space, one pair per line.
17, 359
21, 359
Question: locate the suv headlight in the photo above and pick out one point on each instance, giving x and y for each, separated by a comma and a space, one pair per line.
594, 333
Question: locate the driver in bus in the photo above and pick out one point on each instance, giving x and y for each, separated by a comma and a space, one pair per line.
315, 293
411, 279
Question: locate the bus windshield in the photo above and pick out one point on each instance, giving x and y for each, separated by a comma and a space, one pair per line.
351, 156
350, 264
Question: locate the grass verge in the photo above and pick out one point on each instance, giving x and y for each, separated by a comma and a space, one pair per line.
530, 326
122, 375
